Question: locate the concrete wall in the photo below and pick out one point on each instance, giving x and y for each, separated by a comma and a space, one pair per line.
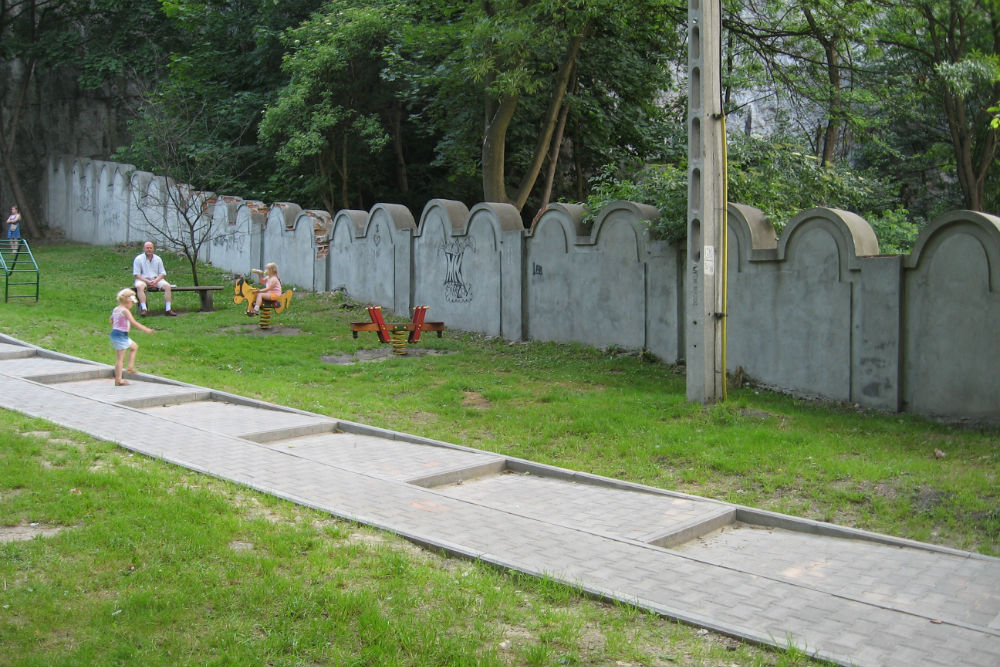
950, 317
816, 312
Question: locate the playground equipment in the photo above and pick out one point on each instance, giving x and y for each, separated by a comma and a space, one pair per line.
19, 269
244, 291
397, 335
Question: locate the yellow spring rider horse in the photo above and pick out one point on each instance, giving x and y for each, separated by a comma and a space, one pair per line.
244, 291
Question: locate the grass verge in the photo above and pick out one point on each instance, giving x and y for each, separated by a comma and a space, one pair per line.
155, 565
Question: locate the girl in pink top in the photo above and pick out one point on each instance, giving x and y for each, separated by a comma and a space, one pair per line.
272, 286
121, 321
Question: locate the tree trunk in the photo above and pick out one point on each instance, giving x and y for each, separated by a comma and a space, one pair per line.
835, 100
343, 172
396, 122
550, 173
327, 192
494, 151
577, 166
551, 119
961, 141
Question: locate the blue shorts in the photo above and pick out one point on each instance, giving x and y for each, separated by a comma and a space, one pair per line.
120, 339
14, 233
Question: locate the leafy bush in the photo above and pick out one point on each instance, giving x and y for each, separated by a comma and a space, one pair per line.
778, 177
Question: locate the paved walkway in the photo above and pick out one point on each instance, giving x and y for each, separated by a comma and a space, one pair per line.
848, 596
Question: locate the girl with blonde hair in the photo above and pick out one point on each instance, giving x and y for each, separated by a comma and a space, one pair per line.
122, 320
271, 289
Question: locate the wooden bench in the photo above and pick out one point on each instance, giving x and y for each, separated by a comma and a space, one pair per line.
204, 291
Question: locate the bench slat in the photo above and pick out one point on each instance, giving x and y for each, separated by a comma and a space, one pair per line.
204, 291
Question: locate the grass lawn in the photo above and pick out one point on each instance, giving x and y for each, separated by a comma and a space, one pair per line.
150, 564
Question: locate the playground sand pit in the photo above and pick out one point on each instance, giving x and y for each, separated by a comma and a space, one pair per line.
378, 354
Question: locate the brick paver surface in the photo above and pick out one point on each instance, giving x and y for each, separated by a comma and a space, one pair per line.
388, 459
854, 602
613, 512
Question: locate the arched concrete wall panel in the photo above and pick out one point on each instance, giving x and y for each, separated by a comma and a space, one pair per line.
789, 323
393, 226
237, 234
594, 294
344, 262
952, 309
292, 246
458, 275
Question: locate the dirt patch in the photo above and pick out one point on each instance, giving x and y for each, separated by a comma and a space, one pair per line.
378, 354
24, 532
473, 399
47, 435
926, 499
755, 414
253, 509
422, 417
252, 329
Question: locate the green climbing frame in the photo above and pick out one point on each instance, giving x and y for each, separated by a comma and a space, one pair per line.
20, 271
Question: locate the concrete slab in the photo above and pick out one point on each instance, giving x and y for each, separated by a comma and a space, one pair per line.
641, 516
949, 586
138, 393
10, 351
233, 418
43, 368
390, 459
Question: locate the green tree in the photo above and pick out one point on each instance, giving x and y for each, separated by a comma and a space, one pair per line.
96, 41
336, 113
224, 67
947, 50
497, 80
892, 83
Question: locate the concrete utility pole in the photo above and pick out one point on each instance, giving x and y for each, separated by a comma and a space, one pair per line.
706, 376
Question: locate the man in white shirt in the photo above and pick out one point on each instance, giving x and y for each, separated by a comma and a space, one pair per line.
150, 275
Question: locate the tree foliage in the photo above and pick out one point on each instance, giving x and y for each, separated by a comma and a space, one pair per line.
224, 66
904, 86
947, 51
335, 114
342, 103
507, 85
95, 41
780, 177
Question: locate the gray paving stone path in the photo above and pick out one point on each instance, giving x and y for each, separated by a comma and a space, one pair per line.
848, 596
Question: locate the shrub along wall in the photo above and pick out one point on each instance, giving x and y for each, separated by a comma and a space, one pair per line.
817, 312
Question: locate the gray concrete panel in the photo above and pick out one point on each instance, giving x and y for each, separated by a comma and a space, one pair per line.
344, 266
789, 322
877, 330
952, 307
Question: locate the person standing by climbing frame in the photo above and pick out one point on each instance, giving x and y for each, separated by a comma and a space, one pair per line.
14, 228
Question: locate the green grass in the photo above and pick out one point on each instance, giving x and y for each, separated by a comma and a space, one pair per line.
157, 565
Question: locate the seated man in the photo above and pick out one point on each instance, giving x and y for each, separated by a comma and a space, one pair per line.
150, 275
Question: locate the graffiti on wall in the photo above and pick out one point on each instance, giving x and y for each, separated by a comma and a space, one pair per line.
456, 288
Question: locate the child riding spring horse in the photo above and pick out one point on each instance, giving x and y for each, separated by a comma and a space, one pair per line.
245, 291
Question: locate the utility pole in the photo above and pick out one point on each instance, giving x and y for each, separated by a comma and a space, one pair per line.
704, 311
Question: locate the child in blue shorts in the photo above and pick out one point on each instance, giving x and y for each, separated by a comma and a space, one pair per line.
121, 320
